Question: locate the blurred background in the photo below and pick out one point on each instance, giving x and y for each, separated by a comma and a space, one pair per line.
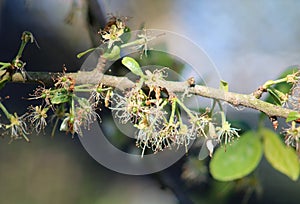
249, 42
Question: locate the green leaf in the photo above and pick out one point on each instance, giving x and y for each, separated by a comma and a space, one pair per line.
133, 66
224, 85
112, 54
282, 158
239, 159
292, 116
276, 95
59, 98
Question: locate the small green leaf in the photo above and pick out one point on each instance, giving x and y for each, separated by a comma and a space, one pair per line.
276, 95
284, 159
113, 54
292, 116
239, 159
59, 98
133, 66
224, 85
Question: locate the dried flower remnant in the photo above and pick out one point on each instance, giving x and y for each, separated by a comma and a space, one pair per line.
65, 82
41, 93
145, 37
86, 113
113, 30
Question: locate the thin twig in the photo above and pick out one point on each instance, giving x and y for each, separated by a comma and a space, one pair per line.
95, 77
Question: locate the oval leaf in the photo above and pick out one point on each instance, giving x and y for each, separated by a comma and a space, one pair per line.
282, 158
133, 66
240, 158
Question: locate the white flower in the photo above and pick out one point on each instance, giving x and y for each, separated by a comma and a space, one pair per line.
71, 125
17, 127
292, 136
113, 35
37, 117
226, 132
119, 108
198, 124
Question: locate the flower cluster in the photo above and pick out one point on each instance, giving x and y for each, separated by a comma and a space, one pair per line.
162, 120
158, 128
69, 111
73, 111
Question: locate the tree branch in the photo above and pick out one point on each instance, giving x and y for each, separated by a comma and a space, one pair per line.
96, 77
